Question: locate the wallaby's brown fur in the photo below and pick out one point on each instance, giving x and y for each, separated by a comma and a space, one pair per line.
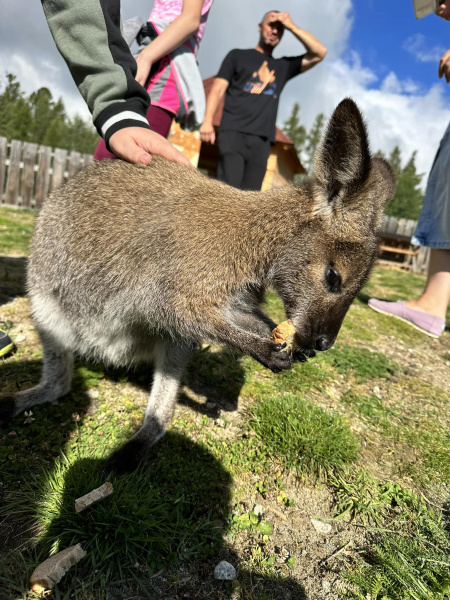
131, 263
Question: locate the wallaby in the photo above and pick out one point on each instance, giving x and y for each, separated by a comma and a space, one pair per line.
134, 264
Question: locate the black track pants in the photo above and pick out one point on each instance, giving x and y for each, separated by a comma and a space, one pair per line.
242, 159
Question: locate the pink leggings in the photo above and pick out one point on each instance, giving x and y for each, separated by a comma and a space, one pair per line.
159, 120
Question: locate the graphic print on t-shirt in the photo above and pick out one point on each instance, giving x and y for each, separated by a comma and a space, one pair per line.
263, 81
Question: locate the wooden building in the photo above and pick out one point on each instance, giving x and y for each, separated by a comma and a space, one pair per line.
282, 164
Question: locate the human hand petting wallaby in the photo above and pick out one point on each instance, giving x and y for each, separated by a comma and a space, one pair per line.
138, 145
180, 258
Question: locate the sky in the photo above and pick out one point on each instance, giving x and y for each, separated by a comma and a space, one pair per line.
378, 54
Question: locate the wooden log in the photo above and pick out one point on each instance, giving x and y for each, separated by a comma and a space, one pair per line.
59, 167
43, 175
406, 251
12, 183
51, 571
3, 151
28, 175
99, 493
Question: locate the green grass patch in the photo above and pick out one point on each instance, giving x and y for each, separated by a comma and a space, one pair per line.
16, 228
370, 407
360, 362
302, 436
411, 564
408, 558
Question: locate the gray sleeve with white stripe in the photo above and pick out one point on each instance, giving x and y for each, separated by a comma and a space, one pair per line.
87, 34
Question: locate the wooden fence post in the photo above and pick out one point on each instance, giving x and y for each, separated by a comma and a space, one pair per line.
12, 184
3, 151
74, 163
59, 167
29, 160
43, 175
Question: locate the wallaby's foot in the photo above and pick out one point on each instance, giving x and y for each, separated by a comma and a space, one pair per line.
273, 357
127, 458
7, 408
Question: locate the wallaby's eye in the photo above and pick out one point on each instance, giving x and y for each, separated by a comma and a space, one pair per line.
333, 280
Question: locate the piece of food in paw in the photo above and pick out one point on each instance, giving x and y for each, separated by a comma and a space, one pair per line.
285, 332
51, 571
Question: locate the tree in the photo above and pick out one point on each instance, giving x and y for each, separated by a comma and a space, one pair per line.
293, 129
14, 110
305, 142
313, 139
408, 198
41, 119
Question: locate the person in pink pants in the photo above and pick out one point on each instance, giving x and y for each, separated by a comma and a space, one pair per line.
177, 24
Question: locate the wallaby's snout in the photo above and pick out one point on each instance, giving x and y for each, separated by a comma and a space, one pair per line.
138, 264
324, 342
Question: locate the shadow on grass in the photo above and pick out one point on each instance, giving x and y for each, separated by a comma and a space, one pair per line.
33, 441
216, 377
12, 277
363, 297
168, 515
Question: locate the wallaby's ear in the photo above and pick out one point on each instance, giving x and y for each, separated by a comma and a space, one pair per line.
342, 159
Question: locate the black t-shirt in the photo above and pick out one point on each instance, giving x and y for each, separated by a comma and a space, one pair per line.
255, 84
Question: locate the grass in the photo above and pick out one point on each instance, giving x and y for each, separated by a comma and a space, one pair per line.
363, 429
363, 363
16, 227
302, 436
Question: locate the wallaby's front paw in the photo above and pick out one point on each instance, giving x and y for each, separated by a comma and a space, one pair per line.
127, 458
276, 359
7, 408
302, 355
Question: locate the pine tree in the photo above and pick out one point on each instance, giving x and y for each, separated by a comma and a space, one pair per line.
293, 129
313, 138
408, 198
14, 110
41, 119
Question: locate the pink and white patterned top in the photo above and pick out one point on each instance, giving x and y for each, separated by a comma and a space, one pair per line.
168, 10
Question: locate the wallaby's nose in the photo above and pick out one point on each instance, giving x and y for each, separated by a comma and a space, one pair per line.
323, 342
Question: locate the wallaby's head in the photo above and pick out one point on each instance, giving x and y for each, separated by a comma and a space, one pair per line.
325, 265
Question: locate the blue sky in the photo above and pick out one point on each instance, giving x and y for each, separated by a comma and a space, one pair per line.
378, 54
382, 33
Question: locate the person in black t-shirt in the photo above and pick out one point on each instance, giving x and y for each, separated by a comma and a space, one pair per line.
251, 81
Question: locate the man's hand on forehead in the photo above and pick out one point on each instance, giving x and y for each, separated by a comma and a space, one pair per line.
282, 18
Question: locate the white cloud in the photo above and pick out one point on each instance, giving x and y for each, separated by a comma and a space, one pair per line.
397, 113
418, 46
47, 74
391, 84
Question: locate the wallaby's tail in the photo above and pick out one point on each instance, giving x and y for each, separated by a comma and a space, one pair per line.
55, 382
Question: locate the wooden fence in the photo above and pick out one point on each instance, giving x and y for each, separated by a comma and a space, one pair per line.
396, 246
29, 172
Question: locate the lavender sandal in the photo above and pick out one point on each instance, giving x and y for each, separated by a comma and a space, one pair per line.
424, 322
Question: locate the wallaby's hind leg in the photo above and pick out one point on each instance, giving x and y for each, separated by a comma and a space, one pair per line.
57, 373
170, 362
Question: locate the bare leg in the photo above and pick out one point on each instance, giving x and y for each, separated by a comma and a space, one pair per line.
436, 295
